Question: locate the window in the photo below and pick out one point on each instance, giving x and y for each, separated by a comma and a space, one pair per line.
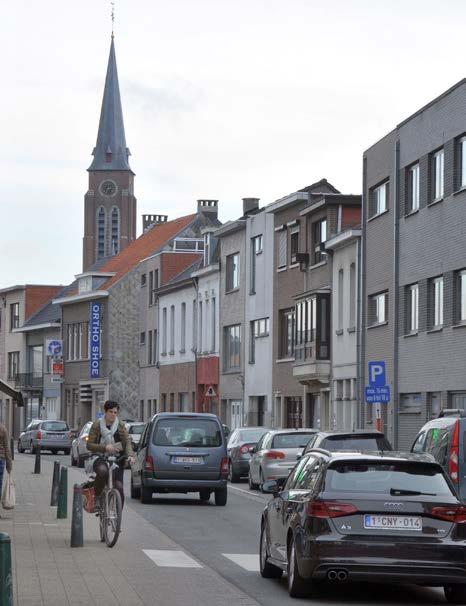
115, 230
258, 328
438, 160
194, 335
256, 248
378, 308
101, 232
379, 199
352, 302
340, 299
77, 341
214, 320
287, 330
232, 275
436, 293
232, 347
200, 327
142, 338
13, 364
413, 308
149, 348
461, 288
143, 280
413, 188
172, 329
14, 315
319, 236
410, 402
151, 288
281, 252
164, 331
154, 347
294, 242
462, 162
183, 328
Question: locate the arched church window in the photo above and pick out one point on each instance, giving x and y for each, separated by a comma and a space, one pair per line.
115, 231
101, 232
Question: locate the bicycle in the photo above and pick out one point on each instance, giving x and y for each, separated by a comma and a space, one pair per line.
110, 507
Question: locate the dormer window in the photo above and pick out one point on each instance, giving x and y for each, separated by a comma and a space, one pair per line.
85, 284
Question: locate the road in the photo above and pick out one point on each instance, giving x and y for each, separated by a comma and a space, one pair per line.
207, 533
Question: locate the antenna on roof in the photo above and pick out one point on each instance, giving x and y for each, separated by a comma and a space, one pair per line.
112, 4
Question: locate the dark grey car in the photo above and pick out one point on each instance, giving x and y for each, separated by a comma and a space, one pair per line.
181, 453
384, 517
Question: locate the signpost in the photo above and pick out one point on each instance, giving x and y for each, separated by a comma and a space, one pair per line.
377, 392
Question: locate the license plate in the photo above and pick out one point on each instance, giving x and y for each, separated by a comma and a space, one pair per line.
384, 522
53, 436
187, 459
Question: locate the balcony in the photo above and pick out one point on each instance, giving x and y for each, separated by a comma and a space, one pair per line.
29, 381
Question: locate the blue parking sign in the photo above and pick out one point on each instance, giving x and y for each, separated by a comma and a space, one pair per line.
377, 374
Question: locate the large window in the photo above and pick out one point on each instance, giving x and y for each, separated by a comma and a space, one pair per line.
13, 364
461, 287
379, 199
14, 315
77, 340
183, 328
281, 248
286, 335
172, 329
294, 242
101, 220
340, 299
164, 331
378, 308
319, 237
115, 231
461, 150
213, 326
438, 161
352, 303
259, 328
413, 188
232, 347
436, 294
256, 249
232, 273
413, 308
149, 348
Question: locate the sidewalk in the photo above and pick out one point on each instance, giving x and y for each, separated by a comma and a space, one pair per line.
48, 572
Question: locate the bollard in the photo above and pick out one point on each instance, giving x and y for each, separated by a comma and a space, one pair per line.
6, 575
37, 462
55, 482
12, 448
77, 518
62, 509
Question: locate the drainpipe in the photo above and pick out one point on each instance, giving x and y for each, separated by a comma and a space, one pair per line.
396, 270
361, 328
196, 288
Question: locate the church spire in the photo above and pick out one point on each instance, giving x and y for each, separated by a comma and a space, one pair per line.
110, 152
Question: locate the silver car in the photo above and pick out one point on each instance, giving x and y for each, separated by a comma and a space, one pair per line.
274, 456
135, 432
79, 452
41, 434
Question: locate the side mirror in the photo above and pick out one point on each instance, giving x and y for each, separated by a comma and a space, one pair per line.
226, 430
252, 449
271, 487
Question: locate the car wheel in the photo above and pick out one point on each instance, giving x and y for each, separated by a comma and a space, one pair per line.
135, 492
204, 494
267, 570
298, 587
232, 476
221, 496
252, 486
145, 495
20, 448
261, 478
455, 594
67, 451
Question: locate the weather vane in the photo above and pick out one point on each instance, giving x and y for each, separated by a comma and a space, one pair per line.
112, 4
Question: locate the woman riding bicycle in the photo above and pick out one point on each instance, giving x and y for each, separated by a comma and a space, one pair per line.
108, 436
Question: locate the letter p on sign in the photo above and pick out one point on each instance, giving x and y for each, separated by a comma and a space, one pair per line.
376, 374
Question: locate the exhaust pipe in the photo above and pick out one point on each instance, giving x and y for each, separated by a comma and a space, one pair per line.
332, 575
342, 575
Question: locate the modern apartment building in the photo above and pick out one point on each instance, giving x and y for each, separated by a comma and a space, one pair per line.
414, 265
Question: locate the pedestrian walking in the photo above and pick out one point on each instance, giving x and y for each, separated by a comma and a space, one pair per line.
5, 453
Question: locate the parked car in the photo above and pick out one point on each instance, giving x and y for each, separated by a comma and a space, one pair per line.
135, 430
359, 439
239, 447
274, 456
444, 438
387, 517
79, 452
41, 434
181, 453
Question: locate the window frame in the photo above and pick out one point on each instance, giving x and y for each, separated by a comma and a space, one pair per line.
376, 198
437, 297
232, 274
438, 175
412, 323
374, 302
319, 237
413, 187
230, 357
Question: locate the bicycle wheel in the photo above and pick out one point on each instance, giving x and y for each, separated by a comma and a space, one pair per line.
102, 518
112, 517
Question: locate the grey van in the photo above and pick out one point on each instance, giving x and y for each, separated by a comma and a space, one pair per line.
181, 453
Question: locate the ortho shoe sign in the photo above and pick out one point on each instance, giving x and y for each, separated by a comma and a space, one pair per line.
94, 357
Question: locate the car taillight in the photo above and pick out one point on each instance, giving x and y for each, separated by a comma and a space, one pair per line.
149, 464
329, 509
224, 466
244, 449
39, 435
454, 454
456, 513
275, 454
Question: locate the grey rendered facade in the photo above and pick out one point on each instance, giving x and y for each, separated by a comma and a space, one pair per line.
414, 252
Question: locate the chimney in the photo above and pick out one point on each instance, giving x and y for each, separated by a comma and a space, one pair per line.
250, 204
209, 207
149, 221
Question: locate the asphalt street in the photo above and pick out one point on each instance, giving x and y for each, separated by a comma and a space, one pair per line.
226, 540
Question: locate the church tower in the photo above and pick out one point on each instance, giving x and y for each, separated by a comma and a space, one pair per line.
109, 204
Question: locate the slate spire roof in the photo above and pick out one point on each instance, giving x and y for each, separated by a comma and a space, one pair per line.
110, 151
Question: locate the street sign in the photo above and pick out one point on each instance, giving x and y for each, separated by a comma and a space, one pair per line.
377, 392
54, 347
376, 374
377, 395
57, 368
210, 393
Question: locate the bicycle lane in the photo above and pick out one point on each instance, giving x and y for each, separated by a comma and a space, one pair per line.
145, 567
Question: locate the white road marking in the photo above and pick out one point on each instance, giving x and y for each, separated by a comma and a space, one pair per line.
248, 561
171, 558
252, 495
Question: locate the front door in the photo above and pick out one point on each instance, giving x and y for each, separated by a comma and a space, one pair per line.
294, 413
235, 414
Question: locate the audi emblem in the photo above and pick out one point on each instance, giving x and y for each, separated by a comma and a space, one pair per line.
393, 506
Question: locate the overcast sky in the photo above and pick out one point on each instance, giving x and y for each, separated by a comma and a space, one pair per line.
221, 99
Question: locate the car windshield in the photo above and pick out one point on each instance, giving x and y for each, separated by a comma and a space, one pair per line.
192, 432
136, 429
251, 435
291, 440
54, 426
374, 477
334, 443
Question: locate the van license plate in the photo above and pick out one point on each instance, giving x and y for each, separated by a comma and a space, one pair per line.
384, 522
187, 459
